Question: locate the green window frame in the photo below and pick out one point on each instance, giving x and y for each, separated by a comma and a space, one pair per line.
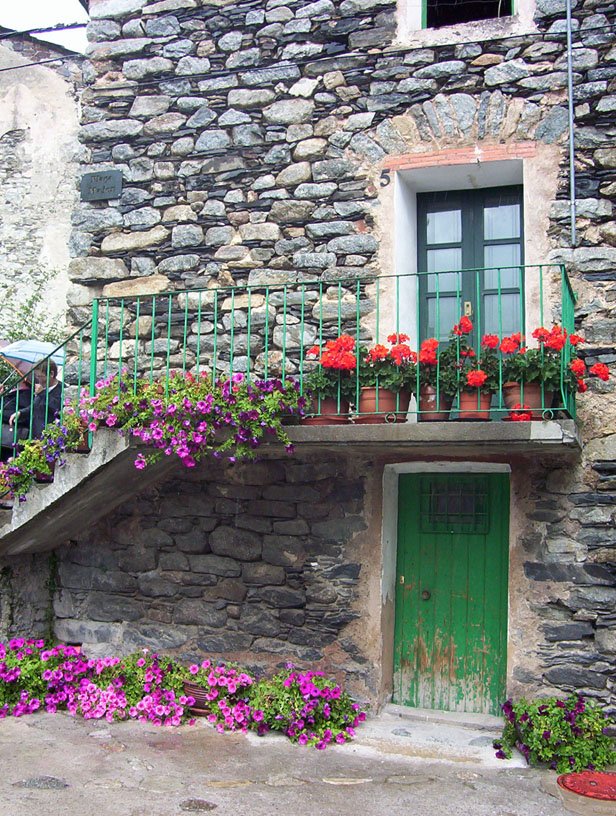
470, 260
425, 14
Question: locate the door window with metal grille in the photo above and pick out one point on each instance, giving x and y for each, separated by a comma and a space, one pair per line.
459, 506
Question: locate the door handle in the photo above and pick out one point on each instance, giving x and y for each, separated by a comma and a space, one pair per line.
426, 595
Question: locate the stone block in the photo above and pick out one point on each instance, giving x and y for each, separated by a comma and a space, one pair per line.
229, 589
155, 637
104, 607
139, 69
94, 270
151, 285
152, 585
282, 597
259, 621
115, 9
174, 562
197, 612
262, 574
572, 677
243, 545
215, 565
284, 551
129, 241
217, 643
288, 112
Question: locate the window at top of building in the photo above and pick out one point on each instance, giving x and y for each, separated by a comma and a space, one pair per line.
440, 13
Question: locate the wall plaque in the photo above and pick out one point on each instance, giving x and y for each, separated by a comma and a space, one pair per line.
101, 186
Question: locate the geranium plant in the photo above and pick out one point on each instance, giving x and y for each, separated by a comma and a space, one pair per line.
334, 376
390, 366
480, 370
566, 735
546, 363
439, 366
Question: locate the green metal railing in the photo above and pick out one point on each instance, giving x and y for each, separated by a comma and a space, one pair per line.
266, 330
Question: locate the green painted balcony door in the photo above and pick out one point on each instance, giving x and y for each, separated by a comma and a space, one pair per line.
470, 256
450, 638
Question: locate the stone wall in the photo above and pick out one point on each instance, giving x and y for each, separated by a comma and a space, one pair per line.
259, 563
39, 159
283, 560
252, 140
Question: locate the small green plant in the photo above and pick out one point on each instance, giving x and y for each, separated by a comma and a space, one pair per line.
32, 461
566, 735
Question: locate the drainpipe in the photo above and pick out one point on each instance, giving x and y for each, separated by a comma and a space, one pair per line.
571, 133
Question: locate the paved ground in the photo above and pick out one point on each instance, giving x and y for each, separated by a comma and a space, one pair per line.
51, 765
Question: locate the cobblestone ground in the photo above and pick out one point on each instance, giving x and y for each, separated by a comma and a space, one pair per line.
59, 765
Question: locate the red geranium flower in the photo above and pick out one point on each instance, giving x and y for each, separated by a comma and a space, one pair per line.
400, 353
476, 378
600, 370
520, 413
578, 367
490, 341
582, 386
509, 345
575, 339
556, 339
397, 338
465, 326
541, 334
378, 352
427, 351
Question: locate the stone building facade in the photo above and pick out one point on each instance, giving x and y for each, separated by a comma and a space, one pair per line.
286, 143
39, 159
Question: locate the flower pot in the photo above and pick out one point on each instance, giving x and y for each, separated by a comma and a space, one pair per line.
531, 396
384, 406
199, 694
474, 405
429, 409
329, 414
45, 478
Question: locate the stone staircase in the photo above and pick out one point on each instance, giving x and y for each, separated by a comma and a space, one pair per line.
84, 490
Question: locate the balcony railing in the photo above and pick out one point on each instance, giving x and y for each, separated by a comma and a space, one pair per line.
268, 330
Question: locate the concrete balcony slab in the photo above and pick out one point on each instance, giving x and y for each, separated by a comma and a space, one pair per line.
557, 437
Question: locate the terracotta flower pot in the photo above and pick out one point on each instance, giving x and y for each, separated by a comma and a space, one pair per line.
429, 409
474, 405
513, 394
198, 693
328, 412
386, 406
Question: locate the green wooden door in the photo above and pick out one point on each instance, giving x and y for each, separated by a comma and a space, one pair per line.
450, 639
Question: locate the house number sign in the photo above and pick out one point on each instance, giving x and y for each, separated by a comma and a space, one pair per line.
101, 186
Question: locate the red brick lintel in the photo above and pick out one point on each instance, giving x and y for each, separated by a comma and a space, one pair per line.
461, 155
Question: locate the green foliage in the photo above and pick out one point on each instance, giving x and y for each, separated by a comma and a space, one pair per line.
567, 735
306, 706
328, 383
537, 365
22, 470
